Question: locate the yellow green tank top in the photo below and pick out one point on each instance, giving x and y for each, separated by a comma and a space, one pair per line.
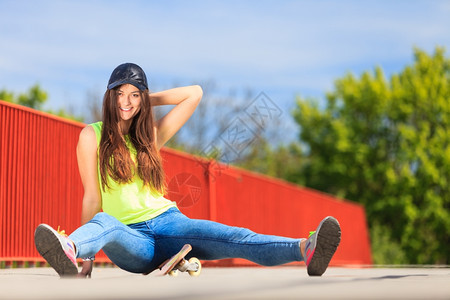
132, 202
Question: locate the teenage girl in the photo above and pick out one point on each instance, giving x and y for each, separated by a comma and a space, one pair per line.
122, 176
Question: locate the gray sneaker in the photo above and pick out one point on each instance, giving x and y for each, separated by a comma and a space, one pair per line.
57, 250
321, 246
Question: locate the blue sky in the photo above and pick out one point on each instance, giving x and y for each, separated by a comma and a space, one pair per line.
282, 48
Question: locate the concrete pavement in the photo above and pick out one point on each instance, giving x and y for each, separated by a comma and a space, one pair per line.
232, 283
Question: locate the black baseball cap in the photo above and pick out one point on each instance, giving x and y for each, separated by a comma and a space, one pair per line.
128, 73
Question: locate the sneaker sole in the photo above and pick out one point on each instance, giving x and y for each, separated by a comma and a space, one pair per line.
48, 245
328, 239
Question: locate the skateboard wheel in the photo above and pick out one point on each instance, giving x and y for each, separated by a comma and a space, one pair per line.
173, 273
194, 260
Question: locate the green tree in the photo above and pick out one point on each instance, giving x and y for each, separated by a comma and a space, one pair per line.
6, 96
35, 98
386, 144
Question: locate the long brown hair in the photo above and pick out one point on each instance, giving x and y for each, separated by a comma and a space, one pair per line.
114, 156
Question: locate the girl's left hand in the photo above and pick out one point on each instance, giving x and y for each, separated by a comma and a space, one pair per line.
86, 270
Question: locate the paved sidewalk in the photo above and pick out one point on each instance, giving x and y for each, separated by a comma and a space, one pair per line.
232, 283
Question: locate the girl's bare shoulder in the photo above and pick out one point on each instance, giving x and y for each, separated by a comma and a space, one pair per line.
87, 137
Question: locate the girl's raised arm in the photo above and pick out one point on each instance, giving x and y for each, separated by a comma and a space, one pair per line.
186, 100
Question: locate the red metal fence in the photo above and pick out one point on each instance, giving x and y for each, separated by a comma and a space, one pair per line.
39, 183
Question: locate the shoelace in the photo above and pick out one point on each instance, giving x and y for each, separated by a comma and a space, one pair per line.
61, 232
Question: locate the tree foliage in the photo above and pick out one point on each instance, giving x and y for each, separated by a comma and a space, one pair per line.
386, 144
35, 98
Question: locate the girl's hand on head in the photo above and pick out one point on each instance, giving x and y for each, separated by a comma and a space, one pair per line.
185, 100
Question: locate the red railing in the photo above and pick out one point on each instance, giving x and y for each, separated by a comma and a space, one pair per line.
39, 180
39, 183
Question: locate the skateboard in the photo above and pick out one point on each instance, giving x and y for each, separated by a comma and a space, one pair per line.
179, 263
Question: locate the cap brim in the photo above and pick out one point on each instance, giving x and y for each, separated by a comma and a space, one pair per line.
125, 81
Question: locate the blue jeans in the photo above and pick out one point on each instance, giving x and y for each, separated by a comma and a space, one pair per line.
142, 247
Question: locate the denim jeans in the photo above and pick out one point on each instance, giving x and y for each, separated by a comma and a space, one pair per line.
142, 247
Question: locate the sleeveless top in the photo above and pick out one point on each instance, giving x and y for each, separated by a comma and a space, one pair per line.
131, 202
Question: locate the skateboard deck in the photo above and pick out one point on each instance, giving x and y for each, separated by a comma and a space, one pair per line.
179, 263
